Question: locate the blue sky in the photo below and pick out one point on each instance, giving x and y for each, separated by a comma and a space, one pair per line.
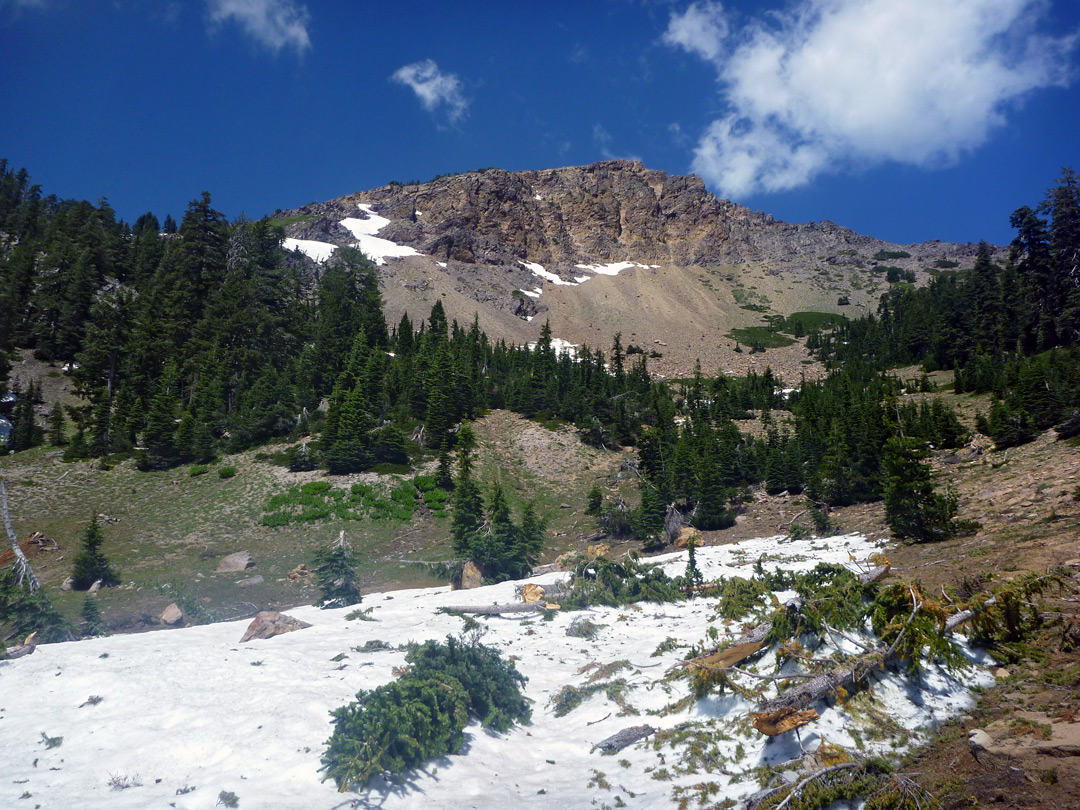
907, 121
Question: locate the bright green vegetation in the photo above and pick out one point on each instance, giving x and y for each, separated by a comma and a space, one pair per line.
321, 500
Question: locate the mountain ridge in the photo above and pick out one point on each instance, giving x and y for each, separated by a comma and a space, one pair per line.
507, 247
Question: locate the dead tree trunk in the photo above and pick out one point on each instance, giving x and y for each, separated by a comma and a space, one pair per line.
24, 574
753, 640
791, 709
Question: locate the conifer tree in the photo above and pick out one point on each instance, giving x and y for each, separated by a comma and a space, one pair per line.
468, 514
90, 563
93, 624
913, 509
57, 434
335, 574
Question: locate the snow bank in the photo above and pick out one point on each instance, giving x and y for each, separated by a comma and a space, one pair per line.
377, 249
317, 251
185, 714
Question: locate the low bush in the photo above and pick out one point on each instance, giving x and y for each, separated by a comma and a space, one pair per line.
422, 716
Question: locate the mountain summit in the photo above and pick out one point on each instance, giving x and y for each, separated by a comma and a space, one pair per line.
604, 248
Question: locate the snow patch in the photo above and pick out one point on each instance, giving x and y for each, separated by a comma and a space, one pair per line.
530, 293
375, 248
538, 270
612, 269
314, 250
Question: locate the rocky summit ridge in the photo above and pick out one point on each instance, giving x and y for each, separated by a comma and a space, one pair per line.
509, 246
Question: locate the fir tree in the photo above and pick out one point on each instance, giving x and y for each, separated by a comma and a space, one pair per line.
93, 624
335, 574
913, 509
57, 433
90, 563
468, 515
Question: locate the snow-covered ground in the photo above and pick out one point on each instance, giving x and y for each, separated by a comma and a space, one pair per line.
375, 248
313, 249
185, 714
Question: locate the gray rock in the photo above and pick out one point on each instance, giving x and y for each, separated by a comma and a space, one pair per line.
238, 561
66, 586
250, 581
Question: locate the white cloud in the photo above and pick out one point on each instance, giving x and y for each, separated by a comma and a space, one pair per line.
435, 89
834, 84
275, 24
701, 30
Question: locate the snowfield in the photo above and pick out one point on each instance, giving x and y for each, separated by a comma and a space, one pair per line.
185, 714
373, 247
313, 249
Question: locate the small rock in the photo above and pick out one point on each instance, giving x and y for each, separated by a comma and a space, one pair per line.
598, 550
250, 581
980, 742
66, 585
270, 623
238, 561
1001, 673
95, 587
172, 615
299, 573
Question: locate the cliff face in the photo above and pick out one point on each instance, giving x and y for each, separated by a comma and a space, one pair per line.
509, 246
606, 212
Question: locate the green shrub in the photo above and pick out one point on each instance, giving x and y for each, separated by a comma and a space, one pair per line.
198, 469
402, 724
226, 472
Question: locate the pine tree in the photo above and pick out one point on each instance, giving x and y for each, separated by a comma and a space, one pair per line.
468, 514
335, 574
93, 624
57, 434
913, 509
90, 563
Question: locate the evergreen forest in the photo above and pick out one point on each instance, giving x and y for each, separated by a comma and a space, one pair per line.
192, 339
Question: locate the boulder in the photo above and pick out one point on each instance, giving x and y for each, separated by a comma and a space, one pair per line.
95, 587
238, 561
251, 581
471, 576
270, 623
687, 534
532, 593
172, 615
66, 585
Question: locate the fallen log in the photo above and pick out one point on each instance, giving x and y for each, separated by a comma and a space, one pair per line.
622, 739
495, 610
770, 717
753, 640
23, 572
27, 647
